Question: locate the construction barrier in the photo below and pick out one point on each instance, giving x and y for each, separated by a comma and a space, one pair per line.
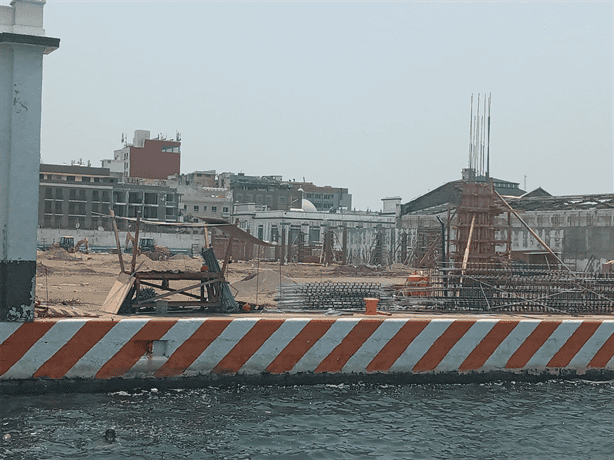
92, 353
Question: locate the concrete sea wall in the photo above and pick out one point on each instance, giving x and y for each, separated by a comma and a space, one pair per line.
98, 355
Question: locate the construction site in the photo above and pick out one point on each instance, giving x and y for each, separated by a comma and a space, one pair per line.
467, 262
479, 244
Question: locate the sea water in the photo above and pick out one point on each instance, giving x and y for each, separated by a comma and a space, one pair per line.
502, 420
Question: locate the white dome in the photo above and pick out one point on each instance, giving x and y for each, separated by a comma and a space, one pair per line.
308, 206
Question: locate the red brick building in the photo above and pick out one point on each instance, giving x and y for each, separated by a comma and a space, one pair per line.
146, 158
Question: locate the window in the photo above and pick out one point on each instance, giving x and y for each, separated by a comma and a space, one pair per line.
48, 206
41, 176
58, 193
70, 178
95, 195
48, 192
58, 207
204, 208
196, 208
105, 196
213, 208
72, 195
85, 179
82, 195
225, 209
185, 207
96, 179
282, 200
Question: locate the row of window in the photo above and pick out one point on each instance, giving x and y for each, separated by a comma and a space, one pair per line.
69, 178
56, 207
74, 194
318, 196
196, 208
260, 199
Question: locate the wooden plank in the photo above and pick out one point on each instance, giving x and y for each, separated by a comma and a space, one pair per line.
176, 291
135, 245
150, 275
119, 248
118, 293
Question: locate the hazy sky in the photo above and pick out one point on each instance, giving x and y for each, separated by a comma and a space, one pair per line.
374, 97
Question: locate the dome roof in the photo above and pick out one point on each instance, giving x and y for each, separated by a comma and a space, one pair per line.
308, 206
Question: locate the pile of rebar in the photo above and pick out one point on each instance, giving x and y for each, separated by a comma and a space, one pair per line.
325, 296
512, 289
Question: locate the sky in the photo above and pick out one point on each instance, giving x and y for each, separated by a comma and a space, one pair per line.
373, 97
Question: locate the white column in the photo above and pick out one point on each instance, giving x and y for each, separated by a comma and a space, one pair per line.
22, 46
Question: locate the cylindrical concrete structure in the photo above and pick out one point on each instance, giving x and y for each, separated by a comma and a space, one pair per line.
22, 46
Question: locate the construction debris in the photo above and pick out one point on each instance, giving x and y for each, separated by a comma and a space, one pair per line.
512, 289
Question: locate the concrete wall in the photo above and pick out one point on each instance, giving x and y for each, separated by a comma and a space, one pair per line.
105, 240
94, 355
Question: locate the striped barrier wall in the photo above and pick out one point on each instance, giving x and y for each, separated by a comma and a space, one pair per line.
152, 350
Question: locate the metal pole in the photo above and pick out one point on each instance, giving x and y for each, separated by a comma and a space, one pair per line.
443, 241
535, 235
488, 144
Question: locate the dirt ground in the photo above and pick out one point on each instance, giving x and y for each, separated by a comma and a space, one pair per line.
82, 281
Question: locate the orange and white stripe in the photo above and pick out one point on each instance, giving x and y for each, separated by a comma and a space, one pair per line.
152, 348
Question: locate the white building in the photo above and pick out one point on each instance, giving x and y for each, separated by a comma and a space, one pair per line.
359, 234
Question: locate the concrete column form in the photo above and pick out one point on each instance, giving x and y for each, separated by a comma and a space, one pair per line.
21, 67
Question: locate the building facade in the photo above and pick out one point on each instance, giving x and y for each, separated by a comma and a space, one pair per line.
80, 197
325, 198
74, 196
205, 202
146, 158
363, 237
264, 191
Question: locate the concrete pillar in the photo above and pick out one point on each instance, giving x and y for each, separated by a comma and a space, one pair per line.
22, 46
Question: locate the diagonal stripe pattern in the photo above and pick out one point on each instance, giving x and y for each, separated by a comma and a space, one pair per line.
95, 349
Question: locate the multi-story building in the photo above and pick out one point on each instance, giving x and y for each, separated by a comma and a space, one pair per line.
152, 202
146, 158
74, 196
363, 236
325, 198
81, 197
267, 191
205, 202
196, 179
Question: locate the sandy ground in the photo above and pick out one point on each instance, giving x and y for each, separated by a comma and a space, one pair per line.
84, 280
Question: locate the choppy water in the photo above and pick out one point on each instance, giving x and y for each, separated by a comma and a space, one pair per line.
551, 420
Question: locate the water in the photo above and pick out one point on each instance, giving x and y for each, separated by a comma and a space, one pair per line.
551, 420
